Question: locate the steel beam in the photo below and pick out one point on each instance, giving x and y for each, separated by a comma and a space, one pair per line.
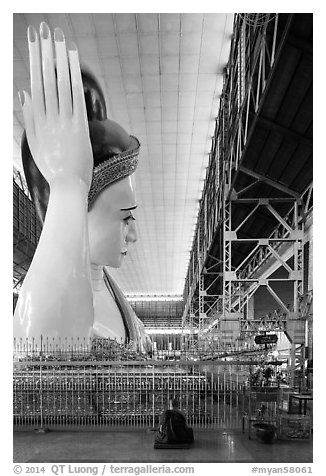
251, 56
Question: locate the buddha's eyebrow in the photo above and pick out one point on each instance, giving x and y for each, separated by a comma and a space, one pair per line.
130, 208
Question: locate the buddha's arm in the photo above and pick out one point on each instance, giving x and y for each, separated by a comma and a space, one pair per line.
56, 296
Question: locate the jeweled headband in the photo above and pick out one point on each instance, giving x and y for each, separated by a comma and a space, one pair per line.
115, 168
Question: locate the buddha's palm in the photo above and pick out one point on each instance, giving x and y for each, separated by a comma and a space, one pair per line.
55, 113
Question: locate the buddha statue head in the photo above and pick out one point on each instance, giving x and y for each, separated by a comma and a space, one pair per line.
111, 198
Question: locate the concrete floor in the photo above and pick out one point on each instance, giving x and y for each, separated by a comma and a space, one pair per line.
211, 446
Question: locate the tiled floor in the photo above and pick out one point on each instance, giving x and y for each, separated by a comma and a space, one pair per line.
137, 446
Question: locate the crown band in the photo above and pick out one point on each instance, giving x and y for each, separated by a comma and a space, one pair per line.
113, 169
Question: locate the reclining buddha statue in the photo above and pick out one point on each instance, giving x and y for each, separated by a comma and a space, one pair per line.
80, 170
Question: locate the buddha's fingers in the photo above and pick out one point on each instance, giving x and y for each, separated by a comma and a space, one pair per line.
63, 75
37, 90
49, 79
78, 99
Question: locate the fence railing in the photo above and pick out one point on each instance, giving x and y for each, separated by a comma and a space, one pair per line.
76, 387
126, 394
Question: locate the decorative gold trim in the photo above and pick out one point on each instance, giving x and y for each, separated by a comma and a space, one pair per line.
117, 167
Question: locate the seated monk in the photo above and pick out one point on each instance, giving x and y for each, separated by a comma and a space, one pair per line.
173, 426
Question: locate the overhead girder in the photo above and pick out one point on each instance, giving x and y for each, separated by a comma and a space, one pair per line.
257, 81
272, 183
218, 185
242, 280
246, 86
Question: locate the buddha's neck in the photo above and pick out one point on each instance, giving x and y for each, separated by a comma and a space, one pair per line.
97, 277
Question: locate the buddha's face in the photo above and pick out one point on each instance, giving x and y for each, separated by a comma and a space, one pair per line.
111, 225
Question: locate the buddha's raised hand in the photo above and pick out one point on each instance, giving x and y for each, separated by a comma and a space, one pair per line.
55, 113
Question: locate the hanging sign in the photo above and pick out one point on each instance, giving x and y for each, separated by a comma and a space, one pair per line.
266, 339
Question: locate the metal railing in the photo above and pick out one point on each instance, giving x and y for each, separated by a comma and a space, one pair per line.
78, 386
